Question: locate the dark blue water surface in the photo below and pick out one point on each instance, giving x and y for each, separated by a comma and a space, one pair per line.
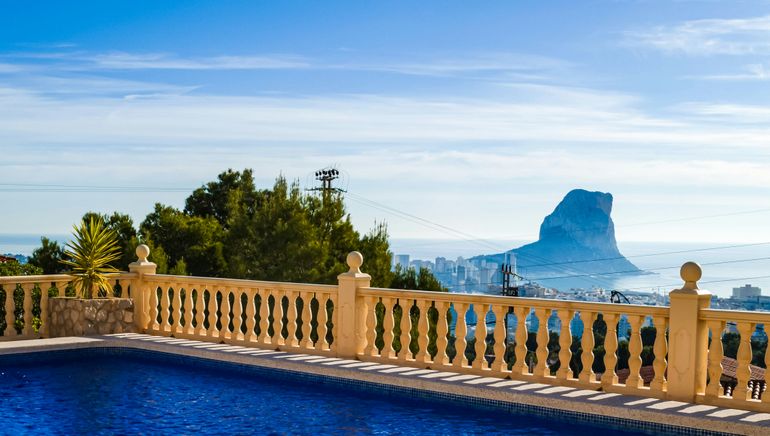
130, 392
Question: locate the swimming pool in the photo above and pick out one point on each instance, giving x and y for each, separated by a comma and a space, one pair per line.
125, 391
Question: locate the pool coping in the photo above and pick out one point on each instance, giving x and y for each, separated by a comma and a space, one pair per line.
647, 414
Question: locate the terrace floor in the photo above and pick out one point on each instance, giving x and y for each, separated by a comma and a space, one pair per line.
647, 414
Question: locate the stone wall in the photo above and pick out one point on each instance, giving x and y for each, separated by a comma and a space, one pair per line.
78, 317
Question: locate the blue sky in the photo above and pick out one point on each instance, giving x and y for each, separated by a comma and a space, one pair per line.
479, 118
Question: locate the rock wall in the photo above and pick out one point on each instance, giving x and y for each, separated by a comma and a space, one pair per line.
78, 317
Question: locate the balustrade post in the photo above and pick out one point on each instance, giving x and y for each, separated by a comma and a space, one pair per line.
688, 337
139, 290
350, 330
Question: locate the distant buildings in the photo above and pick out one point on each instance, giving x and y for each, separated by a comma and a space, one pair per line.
746, 291
402, 260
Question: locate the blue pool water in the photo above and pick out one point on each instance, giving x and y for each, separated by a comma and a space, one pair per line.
115, 391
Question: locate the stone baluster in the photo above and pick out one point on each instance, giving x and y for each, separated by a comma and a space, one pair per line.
189, 315
264, 316
278, 318
28, 329
141, 292
44, 316
587, 344
200, 308
224, 316
541, 367
565, 341
323, 319
388, 323
251, 315
165, 303
520, 366
442, 329
634, 379
500, 365
422, 355
461, 330
660, 349
10, 307
177, 309
238, 315
610, 378
480, 310
61, 289
406, 326
153, 312
307, 315
742, 391
213, 330
716, 352
291, 319
371, 323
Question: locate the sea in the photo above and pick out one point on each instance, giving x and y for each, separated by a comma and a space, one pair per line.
725, 266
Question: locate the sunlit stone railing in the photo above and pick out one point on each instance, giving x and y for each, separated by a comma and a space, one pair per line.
286, 316
510, 337
746, 384
673, 352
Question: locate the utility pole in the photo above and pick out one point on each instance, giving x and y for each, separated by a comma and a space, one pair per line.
509, 271
326, 176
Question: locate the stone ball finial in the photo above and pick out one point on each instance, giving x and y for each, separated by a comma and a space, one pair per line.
142, 251
355, 260
691, 272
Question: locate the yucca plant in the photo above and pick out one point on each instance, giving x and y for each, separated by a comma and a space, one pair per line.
95, 246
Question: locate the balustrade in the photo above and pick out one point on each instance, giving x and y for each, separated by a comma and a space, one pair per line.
618, 348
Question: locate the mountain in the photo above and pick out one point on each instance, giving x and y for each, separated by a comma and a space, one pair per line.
578, 237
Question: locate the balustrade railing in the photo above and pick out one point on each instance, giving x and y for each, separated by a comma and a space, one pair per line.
521, 338
737, 359
286, 316
684, 352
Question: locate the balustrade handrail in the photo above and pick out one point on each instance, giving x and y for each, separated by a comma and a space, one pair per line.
50, 278
733, 315
237, 283
448, 297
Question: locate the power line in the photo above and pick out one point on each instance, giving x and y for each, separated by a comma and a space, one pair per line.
656, 269
30, 187
567, 270
663, 253
469, 237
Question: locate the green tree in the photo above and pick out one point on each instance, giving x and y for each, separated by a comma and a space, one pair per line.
48, 256
197, 240
377, 255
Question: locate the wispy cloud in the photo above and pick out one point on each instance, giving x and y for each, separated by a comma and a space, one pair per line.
752, 72
735, 36
163, 61
500, 64
728, 113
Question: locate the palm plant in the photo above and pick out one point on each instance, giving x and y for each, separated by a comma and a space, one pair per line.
95, 246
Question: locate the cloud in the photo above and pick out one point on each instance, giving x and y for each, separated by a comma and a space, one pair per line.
727, 113
533, 114
752, 72
502, 64
163, 61
737, 36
